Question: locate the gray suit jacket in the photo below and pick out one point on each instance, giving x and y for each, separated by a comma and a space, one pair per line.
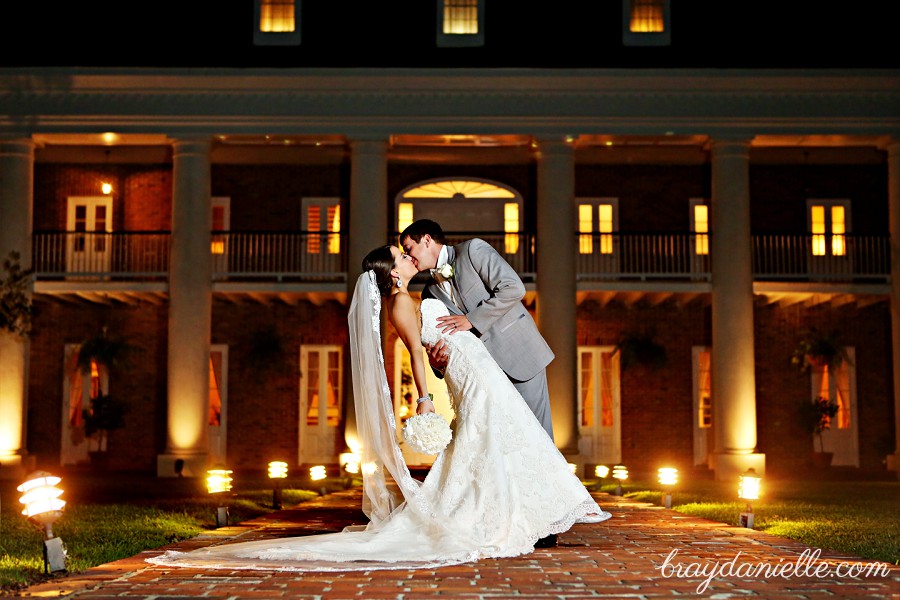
491, 294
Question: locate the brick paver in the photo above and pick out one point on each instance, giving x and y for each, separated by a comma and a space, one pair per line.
621, 558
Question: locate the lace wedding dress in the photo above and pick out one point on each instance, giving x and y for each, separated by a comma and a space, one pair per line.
499, 486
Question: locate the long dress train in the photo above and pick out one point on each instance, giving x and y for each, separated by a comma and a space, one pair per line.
499, 486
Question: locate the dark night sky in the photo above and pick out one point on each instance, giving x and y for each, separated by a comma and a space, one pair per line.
401, 33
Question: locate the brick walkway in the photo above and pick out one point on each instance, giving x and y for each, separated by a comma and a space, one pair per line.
617, 559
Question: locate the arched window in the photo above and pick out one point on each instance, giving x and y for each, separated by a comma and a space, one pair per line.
465, 206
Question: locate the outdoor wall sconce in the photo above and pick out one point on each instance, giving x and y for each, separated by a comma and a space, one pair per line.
278, 471
620, 474
749, 489
668, 477
43, 507
217, 482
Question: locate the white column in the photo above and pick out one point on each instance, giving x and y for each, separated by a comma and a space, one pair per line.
733, 364
190, 311
368, 228
16, 191
556, 306
894, 216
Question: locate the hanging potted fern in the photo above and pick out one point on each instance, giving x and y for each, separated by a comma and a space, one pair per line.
817, 349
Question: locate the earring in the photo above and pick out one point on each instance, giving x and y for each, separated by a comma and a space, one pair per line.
399, 282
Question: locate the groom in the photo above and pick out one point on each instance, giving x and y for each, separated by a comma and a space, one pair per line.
483, 294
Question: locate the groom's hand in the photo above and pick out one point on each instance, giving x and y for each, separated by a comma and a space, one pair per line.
453, 323
438, 355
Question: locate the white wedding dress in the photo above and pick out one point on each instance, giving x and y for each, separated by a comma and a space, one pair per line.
499, 486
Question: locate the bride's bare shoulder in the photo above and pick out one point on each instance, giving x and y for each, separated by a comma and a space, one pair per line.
402, 303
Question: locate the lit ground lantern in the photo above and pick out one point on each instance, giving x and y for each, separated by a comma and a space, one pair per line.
749, 489
620, 474
278, 471
574, 468
601, 471
318, 473
349, 462
668, 477
43, 507
218, 481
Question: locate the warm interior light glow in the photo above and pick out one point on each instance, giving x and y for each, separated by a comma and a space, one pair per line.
334, 227
218, 480
620, 473
605, 227
749, 486
217, 246
278, 469
277, 16
511, 227
106, 187
41, 497
318, 472
585, 228
404, 215
601, 471
701, 227
573, 467
817, 228
838, 229
460, 17
667, 475
455, 188
647, 16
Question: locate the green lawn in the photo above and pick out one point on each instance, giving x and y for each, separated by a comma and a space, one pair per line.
101, 527
861, 518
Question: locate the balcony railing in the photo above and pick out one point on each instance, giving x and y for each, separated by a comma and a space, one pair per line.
822, 257
639, 256
295, 256
101, 256
321, 257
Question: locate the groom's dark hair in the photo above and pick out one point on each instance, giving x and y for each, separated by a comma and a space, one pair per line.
421, 228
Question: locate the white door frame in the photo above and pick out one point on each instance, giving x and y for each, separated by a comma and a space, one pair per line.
594, 444
88, 257
218, 436
318, 443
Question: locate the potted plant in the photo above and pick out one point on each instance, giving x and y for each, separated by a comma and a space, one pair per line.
105, 414
640, 349
15, 303
817, 349
817, 416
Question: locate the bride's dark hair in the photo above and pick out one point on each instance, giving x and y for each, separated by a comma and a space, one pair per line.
381, 260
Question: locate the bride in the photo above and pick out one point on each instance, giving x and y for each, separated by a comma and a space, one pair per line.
498, 487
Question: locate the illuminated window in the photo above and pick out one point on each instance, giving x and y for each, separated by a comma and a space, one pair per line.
511, 226
597, 216
829, 224
322, 389
460, 23
704, 391
605, 226
585, 229
599, 403
834, 383
221, 222
276, 23
700, 226
645, 23
404, 215
459, 188
322, 224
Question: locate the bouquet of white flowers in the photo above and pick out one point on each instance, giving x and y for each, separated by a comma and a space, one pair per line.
428, 433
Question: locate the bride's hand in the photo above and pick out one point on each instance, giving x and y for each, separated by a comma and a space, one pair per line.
438, 356
426, 406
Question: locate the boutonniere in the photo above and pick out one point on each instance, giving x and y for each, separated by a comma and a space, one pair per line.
446, 271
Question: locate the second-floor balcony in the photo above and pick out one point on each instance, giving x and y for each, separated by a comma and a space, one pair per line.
308, 257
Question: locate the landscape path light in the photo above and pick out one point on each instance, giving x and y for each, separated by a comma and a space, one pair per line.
620, 474
668, 477
43, 507
749, 489
219, 481
278, 470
